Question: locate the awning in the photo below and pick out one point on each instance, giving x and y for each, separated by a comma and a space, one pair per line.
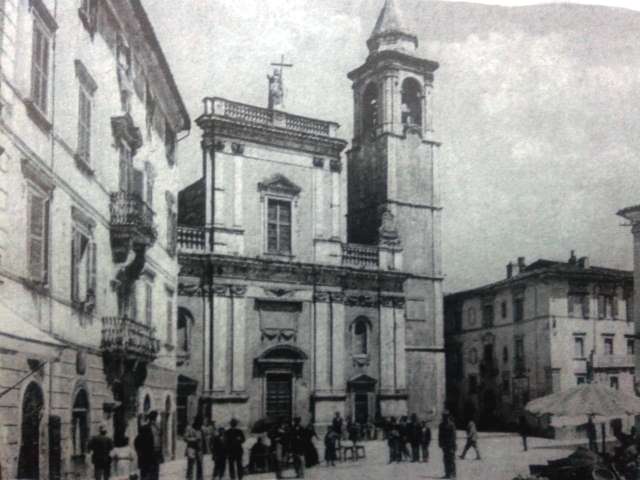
27, 337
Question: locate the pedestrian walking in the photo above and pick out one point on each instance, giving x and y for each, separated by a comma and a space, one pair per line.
101, 445
403, 430
425, 440
208, 430
393, 440
523, 429
310, 452
158, 457
234, 438
330, 445
337, 427
472, 440
143, 444
447, 442
218, 453
592, 435
296, 446
194, 439
414, 434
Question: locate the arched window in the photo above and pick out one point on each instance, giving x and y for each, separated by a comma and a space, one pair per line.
411, 102
80, 422
32, 410
370, 109
360, 336
185, 324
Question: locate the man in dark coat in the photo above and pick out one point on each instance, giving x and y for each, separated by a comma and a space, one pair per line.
296, 446
425, 440
143, 444
101, 446
447, 442
592, 435
337, 427
415, 435
523, 428
234, 438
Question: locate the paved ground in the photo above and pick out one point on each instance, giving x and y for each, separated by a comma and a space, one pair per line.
502, 454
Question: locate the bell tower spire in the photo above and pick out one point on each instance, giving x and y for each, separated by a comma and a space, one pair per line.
390, 31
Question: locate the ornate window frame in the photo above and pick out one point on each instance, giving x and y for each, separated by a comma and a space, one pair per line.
279, 188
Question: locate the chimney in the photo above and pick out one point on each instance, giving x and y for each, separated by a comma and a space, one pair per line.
583, 262
509, 269
521, 264
572, 258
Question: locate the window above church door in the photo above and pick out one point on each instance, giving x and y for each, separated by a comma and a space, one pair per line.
279, 197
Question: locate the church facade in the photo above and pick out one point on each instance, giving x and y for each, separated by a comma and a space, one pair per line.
293, 300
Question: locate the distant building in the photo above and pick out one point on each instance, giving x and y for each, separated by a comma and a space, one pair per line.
294, 301
89, 118
546, 327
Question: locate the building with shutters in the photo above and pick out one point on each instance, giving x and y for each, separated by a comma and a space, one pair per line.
89, 120
546, 327
293, 300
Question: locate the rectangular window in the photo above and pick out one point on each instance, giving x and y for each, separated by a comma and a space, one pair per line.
487, 316
148, 303
581, 379
83, 265
38, 236
608, 345
126, 169
503, 309
613, 382
89, 15
631, 346
506, 383
40, 66
578, 347
518, 309
84, 125
279, 226
605, 306
578, 303
519, 363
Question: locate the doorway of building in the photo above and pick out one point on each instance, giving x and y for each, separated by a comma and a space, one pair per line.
361, 404
32, 410
279, 395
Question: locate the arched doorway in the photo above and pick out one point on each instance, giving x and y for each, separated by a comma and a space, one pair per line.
32, 411
280, 366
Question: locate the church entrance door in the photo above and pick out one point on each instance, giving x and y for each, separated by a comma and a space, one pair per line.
279, 395
361, 407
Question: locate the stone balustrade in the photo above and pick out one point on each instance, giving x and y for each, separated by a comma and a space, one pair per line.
125, 337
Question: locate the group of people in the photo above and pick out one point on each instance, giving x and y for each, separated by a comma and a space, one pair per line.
225, 446
408, 439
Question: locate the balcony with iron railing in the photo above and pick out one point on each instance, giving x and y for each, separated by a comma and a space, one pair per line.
124, 337
613, 362
131, 221
251, 114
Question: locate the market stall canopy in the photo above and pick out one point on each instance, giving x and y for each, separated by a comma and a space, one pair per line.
587, 399
20, 335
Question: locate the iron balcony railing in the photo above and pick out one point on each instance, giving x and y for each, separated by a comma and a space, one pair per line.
129, 210
125, 337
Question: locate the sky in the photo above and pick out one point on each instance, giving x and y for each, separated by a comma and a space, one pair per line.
536, 107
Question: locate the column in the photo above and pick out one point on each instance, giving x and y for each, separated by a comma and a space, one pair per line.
239, 338
219, 193
323, 340
220, 337
207, 374
388, 104
336, 168
208, 172
387, 344
318, 185
400, 344
337, 342
427, 108
238, 190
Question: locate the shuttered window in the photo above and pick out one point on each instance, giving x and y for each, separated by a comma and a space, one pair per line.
83, 263
38, 220
170, 322
148, 306
40, 66
84, 125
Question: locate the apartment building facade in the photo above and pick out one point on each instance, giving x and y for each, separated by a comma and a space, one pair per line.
547, 327
89, 123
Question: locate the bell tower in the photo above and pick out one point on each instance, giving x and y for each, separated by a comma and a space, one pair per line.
393, 190
392, 164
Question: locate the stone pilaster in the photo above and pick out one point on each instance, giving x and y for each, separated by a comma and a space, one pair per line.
400, 344
336, 168
239, 338
323, 342
338, 358
219, 192
238, 190
387, 346
318, 184
221, 304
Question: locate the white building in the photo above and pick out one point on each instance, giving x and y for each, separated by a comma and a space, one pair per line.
90, 117
546, 327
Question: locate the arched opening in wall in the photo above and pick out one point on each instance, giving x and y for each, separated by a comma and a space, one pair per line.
32, 412
146, 404
411, 102
360, 342
185, 325
370, 110
80, 422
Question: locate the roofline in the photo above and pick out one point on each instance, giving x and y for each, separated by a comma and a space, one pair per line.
152, 38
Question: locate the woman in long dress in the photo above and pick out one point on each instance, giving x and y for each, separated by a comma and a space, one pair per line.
310, 452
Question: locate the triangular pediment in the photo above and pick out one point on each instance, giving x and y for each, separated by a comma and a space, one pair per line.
279, 184
363, 380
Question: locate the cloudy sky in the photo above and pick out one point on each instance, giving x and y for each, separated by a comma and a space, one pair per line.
537, 108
